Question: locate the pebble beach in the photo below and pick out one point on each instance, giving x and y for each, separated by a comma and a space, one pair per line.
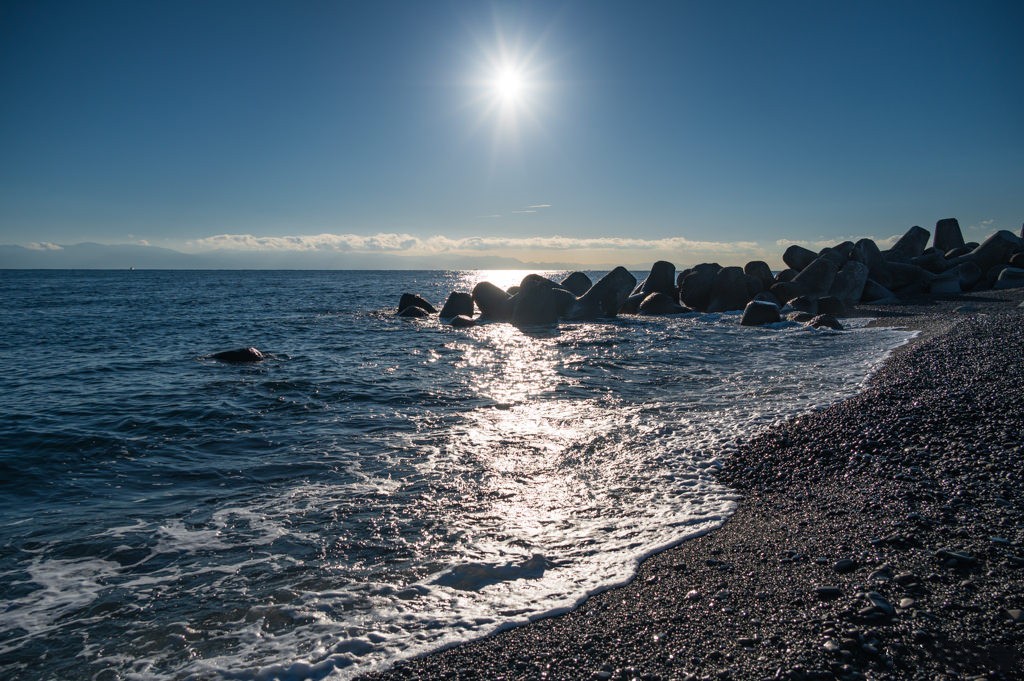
879, 538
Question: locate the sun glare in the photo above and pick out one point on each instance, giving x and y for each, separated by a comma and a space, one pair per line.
508, 85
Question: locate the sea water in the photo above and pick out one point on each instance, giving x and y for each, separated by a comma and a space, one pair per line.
377, 488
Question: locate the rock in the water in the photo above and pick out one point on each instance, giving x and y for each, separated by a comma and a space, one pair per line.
413, 312
239, 356
825, 321
787, 290
662, 279
695, 285
729, 290
817, 277
759, 312
458, 303
803, 304
605, 298
1010, 277
660, 303
534, 305
798, 257
910, 245
758, 269
948, 235
494, 303
577, 282
848, 285
410, 299
462, 321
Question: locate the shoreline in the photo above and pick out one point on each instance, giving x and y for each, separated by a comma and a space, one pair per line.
881, 537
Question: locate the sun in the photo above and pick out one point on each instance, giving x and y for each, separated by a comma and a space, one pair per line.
509, 85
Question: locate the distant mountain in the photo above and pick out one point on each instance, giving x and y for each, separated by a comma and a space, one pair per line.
125, 256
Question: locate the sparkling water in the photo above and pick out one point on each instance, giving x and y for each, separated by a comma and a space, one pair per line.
377, 488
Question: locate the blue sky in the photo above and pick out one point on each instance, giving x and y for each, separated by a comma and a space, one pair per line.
688, 130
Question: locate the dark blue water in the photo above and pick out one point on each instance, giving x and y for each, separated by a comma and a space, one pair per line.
377, 487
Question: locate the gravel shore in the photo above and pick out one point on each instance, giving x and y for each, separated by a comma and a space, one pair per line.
882, 537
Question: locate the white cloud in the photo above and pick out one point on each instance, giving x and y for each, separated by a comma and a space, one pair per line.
524, 211
883, 242
385, 242
44, 246
540, 205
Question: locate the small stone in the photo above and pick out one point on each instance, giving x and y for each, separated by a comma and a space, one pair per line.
844, 565
692, 595
906, 603
905, 578
1015, 615
832, 646
827, 593
957, 558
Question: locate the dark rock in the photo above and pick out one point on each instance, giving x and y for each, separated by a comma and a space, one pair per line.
825, 321
239, 356
605, 298
458, 303
632, 304
947, 283
536, 304
786, 275
1010, 277
494, 303
935, 263
798, 257
803, 304
817, 277
758, 312
758, 269
837, 258
830, 305
970, 275
410, 299
910, 245
996, 250
462, 322
876, 293
954, 253
729, 291
848, 285
660, 303
867, 252
695, 285
662, 279
957, 558
767, 297
1017, 260
577, 282
948, 235
799, 317
787, 290
413, 312
905, 276
828, 593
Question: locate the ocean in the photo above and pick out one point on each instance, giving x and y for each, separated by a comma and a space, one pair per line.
377, 488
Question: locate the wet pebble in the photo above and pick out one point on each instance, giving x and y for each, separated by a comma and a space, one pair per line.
844, 565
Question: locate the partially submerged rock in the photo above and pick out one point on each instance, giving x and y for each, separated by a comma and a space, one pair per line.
239, 356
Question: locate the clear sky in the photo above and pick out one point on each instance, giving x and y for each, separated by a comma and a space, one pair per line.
553, 131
